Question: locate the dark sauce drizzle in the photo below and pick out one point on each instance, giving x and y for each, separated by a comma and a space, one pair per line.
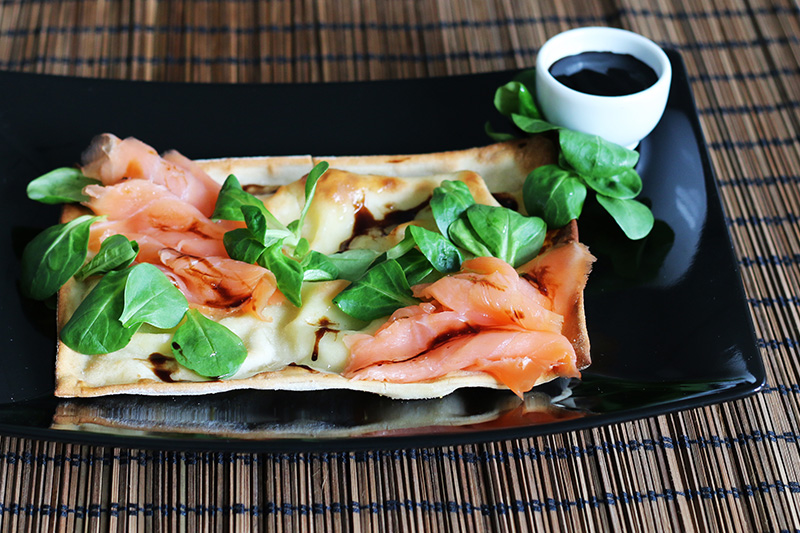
225, 297
365, 222
533, 279
323, 327
162, 366
506, 200
446, 336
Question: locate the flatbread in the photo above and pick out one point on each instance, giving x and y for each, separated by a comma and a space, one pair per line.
134, 370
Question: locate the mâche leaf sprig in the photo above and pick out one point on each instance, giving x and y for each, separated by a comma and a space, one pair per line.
586, 163
268, 242
125, 295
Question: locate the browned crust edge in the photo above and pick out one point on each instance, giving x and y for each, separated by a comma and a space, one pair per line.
293, 378
575, 323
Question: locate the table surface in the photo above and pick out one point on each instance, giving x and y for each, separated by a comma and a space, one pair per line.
725, 467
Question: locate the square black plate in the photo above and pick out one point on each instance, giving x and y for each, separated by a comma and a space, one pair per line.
672, 333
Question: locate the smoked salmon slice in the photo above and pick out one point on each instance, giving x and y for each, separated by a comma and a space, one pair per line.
155, 218
486, 318
214, 281
111, 160
561, 272
518, 359
409, 332
490, 293
163, 203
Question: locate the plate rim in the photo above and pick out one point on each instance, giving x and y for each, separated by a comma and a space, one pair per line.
196, 442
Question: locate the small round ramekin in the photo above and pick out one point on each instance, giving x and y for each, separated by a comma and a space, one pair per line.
624, 120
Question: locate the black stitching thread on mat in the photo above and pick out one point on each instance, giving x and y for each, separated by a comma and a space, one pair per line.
746, 76
729, 144
425, 506
777, 343
794, 388
750, 109
306, 58
613, 15
279, 60
306, 26
775, 301
773, 260
712, 13
546, 453
749, 182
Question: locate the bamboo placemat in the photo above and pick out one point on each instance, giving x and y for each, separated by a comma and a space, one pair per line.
726, 467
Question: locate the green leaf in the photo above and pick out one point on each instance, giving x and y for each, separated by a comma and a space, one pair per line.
441, 253
288, 272
417, 268
507, 235
400, 249
354, 263
207, 347
555, 194
54, 256
532, 125
311, 186
526, 237
60, 186
151, 298
242, 246
382, 290
497, 136
302, 248
95, 327
526, 77
231, 199
116, 252
317, 267
256, 222
514, 98
464, 235
593, 156
449, 200
634, 218
623, 186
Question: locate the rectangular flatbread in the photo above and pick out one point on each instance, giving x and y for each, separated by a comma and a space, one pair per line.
304, 348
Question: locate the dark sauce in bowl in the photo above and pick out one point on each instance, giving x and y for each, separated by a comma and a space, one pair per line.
604, 73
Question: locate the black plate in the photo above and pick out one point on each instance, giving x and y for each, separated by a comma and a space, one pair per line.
671, 334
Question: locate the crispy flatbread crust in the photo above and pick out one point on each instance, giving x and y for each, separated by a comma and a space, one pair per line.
503, 166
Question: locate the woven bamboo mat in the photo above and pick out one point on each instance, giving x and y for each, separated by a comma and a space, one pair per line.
727, 467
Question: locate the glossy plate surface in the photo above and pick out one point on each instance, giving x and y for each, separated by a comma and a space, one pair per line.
669, 332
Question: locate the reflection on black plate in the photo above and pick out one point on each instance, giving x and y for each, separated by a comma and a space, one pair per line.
330, 414
670, 334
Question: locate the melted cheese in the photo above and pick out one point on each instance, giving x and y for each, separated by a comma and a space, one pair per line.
311, 335
345, 201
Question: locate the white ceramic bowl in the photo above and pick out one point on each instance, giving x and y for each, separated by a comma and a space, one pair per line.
624, 120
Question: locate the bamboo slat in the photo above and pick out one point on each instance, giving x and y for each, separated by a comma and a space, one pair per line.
726, 467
